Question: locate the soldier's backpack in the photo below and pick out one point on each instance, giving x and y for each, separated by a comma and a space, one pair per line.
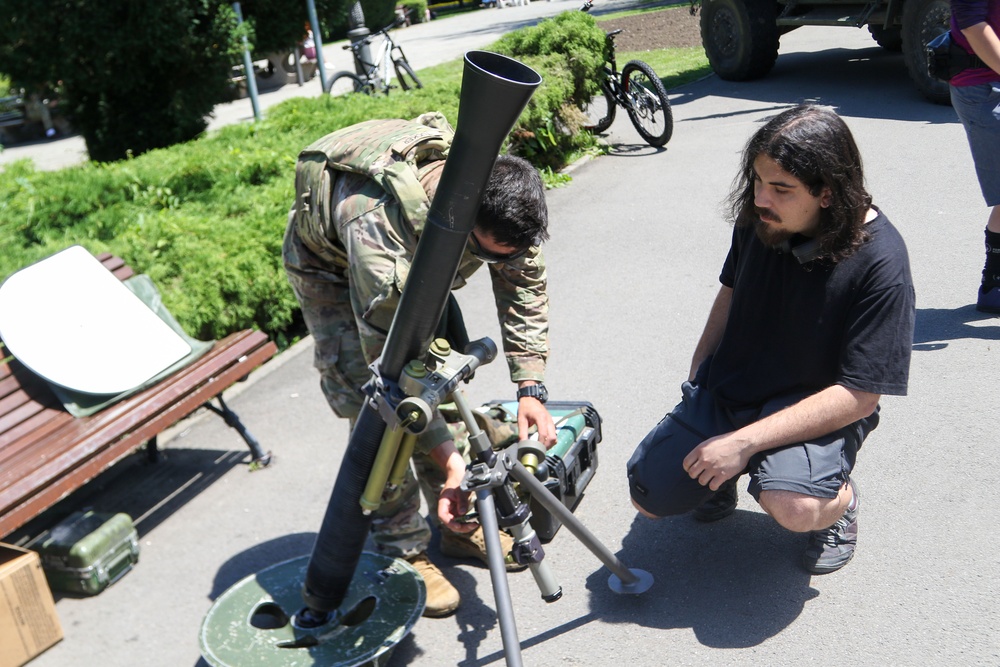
394, 153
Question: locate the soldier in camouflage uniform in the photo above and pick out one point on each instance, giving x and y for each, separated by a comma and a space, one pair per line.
347, 260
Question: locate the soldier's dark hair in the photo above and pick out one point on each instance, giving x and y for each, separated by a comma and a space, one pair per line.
513, 210
814, 145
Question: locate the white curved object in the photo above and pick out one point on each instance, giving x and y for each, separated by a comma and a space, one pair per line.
69, 320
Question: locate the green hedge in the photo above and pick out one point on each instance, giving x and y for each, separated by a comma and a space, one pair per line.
569, 50
206, 218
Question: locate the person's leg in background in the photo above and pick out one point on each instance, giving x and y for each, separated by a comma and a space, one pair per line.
978, 107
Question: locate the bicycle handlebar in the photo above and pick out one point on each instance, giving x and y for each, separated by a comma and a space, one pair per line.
382, 31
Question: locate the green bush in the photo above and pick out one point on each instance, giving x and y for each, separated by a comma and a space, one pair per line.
205, 219
568, 50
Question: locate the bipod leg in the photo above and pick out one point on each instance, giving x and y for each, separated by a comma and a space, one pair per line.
623, 579
486, 483
498, 577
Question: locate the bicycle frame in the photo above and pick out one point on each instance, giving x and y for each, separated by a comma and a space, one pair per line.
612, 82
616, 87
378, 74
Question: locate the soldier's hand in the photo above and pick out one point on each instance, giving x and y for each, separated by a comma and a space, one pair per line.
453, 504
532, 412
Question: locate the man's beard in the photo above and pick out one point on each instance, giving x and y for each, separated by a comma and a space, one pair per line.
770, 236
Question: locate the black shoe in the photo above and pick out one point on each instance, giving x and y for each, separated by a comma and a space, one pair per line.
989, 299
719, 506
832, 548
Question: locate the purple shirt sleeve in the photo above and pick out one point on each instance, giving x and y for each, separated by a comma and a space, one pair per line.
966, 13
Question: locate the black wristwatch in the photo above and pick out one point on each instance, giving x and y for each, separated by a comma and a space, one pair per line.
535, 391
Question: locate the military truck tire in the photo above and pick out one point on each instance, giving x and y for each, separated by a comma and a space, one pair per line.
740, 37
923, 20
890, 39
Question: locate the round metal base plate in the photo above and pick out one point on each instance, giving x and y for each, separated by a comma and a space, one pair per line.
643, 582
256, 621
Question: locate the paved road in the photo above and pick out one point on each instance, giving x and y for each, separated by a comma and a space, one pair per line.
637, 243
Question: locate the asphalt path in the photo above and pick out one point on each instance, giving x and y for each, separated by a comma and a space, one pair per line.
637, 243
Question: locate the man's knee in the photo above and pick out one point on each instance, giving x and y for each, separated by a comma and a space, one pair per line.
796, 512
643, 511
344, 398
664, 495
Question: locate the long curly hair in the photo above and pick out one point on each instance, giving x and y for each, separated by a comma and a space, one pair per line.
814, 145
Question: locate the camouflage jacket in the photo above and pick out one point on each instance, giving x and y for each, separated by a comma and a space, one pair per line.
369, 236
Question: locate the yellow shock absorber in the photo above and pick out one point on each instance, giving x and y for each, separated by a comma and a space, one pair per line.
371, 499
398, 473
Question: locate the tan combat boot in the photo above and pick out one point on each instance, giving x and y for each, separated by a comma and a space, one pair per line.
442, 597
473, 545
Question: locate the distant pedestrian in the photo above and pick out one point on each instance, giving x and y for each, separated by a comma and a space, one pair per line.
309, 44
975, 95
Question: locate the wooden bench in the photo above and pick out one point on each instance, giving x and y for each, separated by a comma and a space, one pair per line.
46, 453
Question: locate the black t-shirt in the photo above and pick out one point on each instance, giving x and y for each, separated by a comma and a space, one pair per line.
804, 327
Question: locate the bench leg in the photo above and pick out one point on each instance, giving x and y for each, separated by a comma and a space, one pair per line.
152, 451
260, 458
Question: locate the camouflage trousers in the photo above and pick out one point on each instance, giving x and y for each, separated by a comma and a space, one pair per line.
325, 296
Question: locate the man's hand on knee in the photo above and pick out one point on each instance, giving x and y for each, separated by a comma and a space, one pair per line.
718, 459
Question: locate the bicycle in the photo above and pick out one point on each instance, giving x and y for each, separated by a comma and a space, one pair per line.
638, 90
377, 75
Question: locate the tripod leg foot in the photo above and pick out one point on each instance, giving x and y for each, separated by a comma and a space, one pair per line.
643, 582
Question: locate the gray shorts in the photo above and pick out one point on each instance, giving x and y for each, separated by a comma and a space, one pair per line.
661, 486
978, 107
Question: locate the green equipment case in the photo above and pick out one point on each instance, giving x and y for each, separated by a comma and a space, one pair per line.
88, 551
569, 465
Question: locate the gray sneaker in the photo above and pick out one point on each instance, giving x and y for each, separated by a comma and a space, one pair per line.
832, 548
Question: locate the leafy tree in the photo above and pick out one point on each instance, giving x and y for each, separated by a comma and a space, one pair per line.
133, 75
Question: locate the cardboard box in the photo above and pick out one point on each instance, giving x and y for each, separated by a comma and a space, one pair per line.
28, 620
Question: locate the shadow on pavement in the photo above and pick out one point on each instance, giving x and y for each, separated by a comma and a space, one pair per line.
149, 492
260, 557
712, 578
858, 82
935, 325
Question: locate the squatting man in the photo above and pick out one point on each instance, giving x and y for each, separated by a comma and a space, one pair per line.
812, 324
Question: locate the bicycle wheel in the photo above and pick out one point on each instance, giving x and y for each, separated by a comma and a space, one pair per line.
649, 108
345, 82
407, 78
600, 111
